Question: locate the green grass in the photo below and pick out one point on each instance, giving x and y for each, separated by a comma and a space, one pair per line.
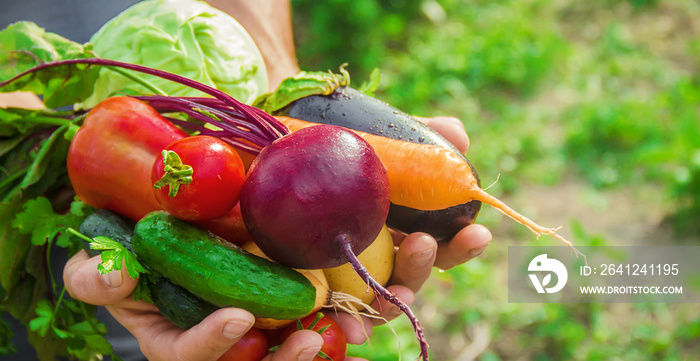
602, 93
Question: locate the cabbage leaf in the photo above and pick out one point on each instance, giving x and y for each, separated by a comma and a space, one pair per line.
185, 37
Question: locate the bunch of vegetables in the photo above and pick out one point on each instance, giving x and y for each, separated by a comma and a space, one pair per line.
314, 196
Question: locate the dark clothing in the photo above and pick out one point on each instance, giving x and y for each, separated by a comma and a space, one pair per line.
76, 20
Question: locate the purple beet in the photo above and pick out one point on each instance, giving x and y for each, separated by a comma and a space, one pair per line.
308, 189
317, 198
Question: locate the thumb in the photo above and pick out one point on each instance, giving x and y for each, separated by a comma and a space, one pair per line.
206, 341
85, 283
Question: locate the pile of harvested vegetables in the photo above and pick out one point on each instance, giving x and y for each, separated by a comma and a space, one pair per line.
264, 202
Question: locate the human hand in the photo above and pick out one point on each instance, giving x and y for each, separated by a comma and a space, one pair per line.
20, 99
158, 338
419, 252
471, 241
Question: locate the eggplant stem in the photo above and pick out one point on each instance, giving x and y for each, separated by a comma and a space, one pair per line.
346, 246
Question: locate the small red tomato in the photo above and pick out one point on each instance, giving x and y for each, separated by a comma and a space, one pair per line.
198, 178
252, 346
334, 343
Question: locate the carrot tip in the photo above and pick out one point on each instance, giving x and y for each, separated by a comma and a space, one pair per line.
568, 243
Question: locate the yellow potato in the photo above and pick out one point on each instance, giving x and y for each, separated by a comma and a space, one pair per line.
378, 258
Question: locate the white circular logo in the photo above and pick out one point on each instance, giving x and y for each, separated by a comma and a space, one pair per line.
543, 264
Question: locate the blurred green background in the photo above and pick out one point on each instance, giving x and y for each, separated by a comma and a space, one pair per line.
588, 111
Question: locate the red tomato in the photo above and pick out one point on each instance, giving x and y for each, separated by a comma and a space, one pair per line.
251, 347
111, 156
334, 343
217, 174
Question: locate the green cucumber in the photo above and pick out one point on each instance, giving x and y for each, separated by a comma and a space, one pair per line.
219, 272
105, 223
177, 304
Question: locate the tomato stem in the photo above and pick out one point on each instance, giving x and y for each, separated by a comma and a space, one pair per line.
176, 173
318, 317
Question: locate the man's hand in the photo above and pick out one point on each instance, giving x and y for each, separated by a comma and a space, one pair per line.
473, 239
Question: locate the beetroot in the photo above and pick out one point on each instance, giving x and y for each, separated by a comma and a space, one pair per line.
316, 198
308, 189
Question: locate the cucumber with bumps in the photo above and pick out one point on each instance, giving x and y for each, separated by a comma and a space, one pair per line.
177, 304
105, 223
219, 272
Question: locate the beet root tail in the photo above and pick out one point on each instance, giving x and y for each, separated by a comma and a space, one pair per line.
379, 289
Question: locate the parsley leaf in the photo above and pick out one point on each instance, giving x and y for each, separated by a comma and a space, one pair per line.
40, 221
42, 323
113, 255
70, 320
142, 292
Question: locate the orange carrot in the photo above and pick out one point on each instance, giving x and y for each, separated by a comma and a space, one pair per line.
429, 177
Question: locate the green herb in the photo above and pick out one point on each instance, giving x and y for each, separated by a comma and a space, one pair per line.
113, 255
59, 325
72, 321
32, 178
40, 221
35, 213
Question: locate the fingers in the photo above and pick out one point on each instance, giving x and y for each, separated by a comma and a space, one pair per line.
160, 340
414, 261
356, 331
85, 283
466, 244
302, 345
387, 310
451, 129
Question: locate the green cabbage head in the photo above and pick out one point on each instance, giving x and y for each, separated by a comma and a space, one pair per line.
185, 37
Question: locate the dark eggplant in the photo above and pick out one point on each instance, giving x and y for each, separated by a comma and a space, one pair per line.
352, 109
